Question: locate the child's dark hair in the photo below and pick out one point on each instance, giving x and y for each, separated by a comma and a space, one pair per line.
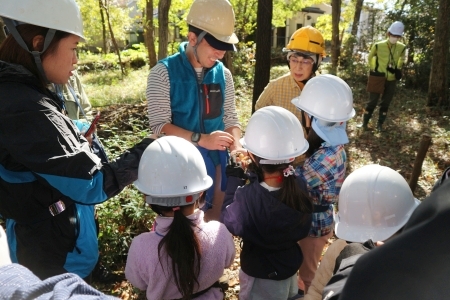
314, 141
183, 247
291, 193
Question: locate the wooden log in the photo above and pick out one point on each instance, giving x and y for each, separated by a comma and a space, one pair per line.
425, 143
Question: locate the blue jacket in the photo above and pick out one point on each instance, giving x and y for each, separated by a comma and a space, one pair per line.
269, 229
46, 164
198, 105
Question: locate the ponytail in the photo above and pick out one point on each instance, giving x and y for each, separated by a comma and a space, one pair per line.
182, 245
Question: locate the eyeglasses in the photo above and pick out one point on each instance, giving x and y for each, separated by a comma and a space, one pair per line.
303, 62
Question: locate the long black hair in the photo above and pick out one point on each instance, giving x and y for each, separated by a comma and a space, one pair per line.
183, 247
291, 193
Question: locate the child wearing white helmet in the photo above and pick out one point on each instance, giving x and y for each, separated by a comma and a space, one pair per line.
273, 212
374, 204
182, 257
328, 100
50, 180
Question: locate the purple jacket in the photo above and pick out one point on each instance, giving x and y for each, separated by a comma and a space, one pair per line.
269, 229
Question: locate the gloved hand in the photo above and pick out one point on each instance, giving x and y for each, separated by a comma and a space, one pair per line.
4, 249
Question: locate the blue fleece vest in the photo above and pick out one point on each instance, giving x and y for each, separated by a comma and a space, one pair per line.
187, 96
198, 107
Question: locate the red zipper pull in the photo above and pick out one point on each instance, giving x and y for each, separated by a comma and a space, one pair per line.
206, 98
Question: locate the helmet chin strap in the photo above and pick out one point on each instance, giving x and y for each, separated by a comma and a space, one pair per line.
11, 25
199, 39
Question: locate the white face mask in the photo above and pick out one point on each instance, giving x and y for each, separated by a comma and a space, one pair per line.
393, 40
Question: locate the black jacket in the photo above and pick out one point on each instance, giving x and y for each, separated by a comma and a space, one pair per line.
269, 229
44, 162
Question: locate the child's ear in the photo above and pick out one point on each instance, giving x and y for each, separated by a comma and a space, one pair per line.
38, 43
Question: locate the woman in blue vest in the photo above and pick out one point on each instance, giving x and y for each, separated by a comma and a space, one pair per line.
191, 93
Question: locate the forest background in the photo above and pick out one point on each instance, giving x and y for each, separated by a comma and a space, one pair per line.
115, 72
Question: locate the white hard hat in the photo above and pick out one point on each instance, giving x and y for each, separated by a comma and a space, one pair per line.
397, 28
326, 97
172, 172
63, 15
216, 17
374, 203
275, 134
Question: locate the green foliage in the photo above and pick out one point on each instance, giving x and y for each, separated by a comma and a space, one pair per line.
107, 87
121, 219
88, 61
126, 215
244, 61
92, 23
135, 57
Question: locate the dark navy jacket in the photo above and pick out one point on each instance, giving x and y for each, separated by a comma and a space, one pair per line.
269, 229
44, 160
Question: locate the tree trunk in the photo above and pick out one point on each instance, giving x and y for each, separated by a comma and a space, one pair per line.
335, 43
149, 40
2, 33
263, 45
102, 16
352, 40
163, 30
438, 85
113, 39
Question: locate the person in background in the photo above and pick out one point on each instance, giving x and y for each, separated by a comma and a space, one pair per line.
386, 56
182, 257
374, 204
273, 212
76, 100
50, 181
191, 93
305, 52
328, 100
20, 283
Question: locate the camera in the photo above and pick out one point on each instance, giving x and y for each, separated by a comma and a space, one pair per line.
391, 70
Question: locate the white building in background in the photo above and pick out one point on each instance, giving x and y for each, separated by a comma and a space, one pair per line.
307, 16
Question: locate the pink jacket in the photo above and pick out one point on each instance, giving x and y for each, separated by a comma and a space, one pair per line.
144, 271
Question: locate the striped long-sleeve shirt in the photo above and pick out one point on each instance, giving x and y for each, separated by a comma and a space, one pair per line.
158, 97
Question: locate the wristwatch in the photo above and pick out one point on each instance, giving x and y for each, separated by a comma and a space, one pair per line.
195, 137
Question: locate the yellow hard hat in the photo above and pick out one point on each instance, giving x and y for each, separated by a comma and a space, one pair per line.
307, 40
216, 17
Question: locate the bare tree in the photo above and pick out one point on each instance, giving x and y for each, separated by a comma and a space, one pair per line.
148, 28
262, 66
335, 42
438, 85
352, 40
113, 39
163, 30
102, 17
